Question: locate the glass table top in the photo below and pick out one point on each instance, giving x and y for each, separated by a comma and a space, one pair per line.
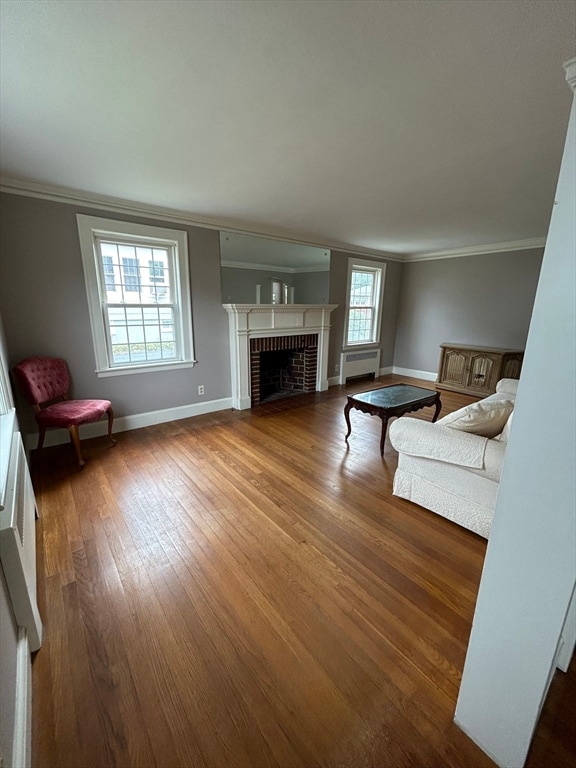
390, 397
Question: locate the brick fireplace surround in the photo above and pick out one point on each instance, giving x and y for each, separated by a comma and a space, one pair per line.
255, 328
300, 372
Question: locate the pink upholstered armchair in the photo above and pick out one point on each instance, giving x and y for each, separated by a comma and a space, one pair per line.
45, 382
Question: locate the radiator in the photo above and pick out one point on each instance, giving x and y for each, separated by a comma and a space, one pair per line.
359, 364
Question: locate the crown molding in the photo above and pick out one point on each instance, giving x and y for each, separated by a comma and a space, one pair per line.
570, 67
54, 193
479, 250
302, 270
251, 265
77, 197
273, 267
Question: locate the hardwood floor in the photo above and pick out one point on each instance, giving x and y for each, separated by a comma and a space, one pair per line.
242, 589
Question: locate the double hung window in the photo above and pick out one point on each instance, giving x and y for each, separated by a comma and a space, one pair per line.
365, 282
138, 295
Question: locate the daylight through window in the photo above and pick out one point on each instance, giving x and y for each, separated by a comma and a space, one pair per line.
364, 300
137, 282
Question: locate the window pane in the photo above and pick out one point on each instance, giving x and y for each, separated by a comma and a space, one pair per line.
158, 287
136, 273
361, 289
156, 269
131, 273
111, 269
109, 280
360, 325
161, 275
141, 334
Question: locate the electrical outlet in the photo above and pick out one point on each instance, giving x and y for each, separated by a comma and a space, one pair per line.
337, 367
201, 389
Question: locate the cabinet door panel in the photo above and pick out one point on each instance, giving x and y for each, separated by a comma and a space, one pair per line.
483, 371
454, 370
512, 367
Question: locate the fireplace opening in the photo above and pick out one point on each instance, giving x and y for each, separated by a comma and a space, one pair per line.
282, 366
281, 373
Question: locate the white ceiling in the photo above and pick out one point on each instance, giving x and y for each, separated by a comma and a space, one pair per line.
396, 125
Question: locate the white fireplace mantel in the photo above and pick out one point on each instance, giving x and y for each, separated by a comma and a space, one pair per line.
248, 321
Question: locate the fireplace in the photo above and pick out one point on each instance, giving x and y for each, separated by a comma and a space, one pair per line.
257, 328
281, 366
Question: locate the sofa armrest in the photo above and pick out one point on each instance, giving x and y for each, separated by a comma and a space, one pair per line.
507, 386
435, 441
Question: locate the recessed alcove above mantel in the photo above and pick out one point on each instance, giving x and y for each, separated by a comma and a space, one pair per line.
247, 321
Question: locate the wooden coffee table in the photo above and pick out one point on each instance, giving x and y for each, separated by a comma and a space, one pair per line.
395, 400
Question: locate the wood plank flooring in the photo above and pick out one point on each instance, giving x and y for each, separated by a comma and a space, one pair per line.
242, 589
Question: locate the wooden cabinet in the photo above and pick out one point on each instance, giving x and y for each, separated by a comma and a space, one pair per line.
476, 370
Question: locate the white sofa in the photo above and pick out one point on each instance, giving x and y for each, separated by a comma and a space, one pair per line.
453, 467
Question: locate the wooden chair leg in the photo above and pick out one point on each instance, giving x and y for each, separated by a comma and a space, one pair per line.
110, 413
73, 429
41, 436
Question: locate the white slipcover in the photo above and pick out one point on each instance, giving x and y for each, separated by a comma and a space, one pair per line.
452, 473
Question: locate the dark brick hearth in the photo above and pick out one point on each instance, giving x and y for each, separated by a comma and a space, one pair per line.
282, 364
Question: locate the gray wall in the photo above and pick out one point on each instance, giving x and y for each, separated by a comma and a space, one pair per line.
338, 279
239, 284
45, 311
485, 300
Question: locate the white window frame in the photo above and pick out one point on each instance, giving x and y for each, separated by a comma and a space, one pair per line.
92, 227
379, 271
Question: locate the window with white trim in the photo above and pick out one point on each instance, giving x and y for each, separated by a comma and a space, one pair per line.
138, 295
364, 301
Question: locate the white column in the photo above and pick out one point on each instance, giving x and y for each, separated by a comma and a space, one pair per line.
530, 569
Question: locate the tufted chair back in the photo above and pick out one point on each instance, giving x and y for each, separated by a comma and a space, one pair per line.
42, 379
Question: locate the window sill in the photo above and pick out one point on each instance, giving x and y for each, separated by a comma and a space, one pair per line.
157, 368
361, 345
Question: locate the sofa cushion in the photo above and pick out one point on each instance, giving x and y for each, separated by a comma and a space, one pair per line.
504, 436
486, 417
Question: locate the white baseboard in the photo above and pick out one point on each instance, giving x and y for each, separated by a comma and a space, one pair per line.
136, 421
567, 641
334, 381
139, 420
413, 374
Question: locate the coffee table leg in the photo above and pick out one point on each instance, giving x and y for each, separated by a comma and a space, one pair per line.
383, 435
438, 409
347, 417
